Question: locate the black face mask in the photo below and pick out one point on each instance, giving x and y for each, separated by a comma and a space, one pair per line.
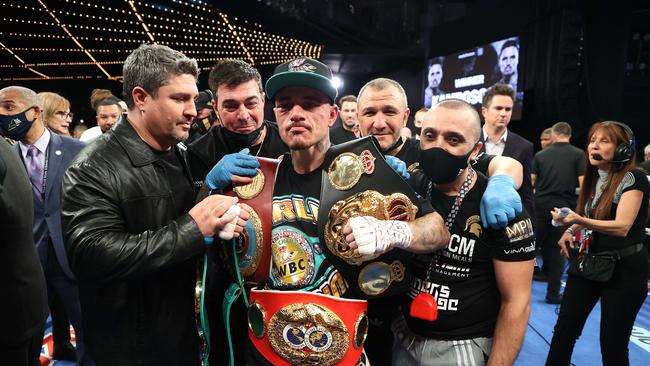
238, 141
202, 125
442, 167
397, 144
15, 126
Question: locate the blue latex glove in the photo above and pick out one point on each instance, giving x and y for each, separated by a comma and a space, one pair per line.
500, 202
398, 166
239, 163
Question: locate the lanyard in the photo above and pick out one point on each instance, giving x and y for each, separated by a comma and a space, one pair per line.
45, 165
451, 217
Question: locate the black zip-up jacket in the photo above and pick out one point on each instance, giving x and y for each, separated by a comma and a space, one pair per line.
134, 260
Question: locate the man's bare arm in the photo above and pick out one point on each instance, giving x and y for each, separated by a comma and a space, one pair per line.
514, 281
508, 166
429, 234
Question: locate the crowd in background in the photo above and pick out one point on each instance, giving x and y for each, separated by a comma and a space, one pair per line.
115, 227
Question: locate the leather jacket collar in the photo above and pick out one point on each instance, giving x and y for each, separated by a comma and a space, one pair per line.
136, 149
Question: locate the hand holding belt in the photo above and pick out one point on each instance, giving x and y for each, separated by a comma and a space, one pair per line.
359, 182
306, 328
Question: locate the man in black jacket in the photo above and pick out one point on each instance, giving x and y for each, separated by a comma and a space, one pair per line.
23, 309
239, 103
133, 232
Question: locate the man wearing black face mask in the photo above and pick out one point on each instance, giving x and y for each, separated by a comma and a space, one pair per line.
383, 112
205, 116
239, 103
45, 156
482, 280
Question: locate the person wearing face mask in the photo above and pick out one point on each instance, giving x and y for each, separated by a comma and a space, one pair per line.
46, 156
383, 112
238, 99
482, 280
239, 104
205, 116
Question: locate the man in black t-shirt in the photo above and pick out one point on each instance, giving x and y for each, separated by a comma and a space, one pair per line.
348, 130
383, 112
239, 103
556, 173
482, 280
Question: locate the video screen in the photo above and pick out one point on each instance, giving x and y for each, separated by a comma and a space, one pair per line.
468, 74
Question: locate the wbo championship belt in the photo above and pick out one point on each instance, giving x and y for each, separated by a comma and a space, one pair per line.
306, 328
359, 182
253, 247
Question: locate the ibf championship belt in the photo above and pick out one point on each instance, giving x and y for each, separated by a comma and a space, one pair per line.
359, 182
253, 247
306, 328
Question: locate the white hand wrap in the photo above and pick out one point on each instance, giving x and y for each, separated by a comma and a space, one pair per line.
228, 231
375, 237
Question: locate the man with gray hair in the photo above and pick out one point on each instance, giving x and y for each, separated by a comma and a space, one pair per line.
556, 172
133, 231
383, 112
46, 156
481, 282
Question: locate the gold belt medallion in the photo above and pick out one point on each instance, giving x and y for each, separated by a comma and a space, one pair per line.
396, 206
308, 334
347, 168
252, 189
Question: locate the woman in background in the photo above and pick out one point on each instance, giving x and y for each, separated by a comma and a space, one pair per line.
613, 203
56, 113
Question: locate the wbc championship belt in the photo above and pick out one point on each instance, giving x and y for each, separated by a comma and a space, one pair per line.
253, 247
306, 328
359, 182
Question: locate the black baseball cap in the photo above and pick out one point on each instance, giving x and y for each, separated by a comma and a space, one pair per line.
204, 100
302, 71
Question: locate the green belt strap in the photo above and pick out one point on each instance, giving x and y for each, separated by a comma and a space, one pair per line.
205, 325
231, 295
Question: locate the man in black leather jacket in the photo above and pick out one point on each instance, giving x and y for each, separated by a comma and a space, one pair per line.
133, 232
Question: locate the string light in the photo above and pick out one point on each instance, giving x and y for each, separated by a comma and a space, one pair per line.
65, 29
194, 27
144, 25
21, 61
54, 78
